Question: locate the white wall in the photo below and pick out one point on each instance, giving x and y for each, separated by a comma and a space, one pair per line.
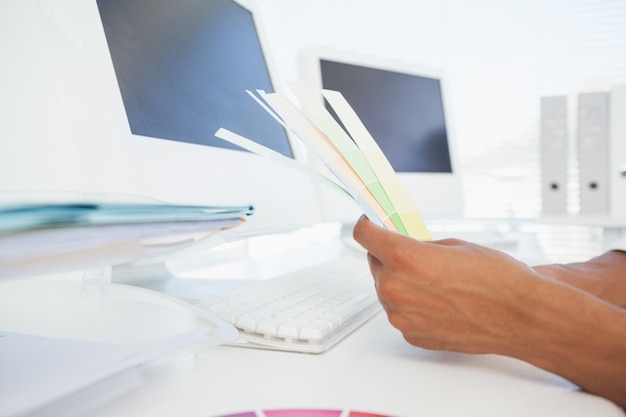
499, 56
397, 29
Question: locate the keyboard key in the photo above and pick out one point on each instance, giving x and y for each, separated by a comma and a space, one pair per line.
290, 329
315, 330
269, 327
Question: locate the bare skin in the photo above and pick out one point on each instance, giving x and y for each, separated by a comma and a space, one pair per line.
457, 296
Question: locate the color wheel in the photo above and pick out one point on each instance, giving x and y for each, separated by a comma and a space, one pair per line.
304, 413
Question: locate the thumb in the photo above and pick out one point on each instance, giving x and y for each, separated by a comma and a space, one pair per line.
376, 239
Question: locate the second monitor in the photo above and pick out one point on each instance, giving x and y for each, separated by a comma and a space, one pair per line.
404, 108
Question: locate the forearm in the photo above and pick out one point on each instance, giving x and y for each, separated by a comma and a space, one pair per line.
579, 337
603, 276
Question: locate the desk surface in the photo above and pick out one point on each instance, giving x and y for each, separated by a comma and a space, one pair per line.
373, 370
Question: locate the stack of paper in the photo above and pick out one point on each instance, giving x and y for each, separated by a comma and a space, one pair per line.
352, 155
16, 218
49, 237
58, 338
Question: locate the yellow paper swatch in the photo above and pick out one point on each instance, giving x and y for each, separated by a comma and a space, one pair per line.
384, 171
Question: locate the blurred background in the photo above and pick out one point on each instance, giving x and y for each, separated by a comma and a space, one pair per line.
499, 59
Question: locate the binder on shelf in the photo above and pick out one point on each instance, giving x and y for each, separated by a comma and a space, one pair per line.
593, 146
617, 166
554, 155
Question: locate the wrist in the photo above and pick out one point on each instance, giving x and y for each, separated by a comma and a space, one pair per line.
582, 339
603, 276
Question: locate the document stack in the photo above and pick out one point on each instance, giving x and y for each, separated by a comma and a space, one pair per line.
63, 336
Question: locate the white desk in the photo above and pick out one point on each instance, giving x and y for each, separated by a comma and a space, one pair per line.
373, 370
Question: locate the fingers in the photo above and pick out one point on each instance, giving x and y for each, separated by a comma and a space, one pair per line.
376, 267
373, 262
376, 239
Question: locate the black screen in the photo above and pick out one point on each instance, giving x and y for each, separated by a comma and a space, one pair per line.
183, 67
403, 112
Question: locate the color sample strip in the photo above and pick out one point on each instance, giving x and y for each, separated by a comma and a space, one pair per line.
384, 171
348, 148
304, 413
326, 151
261, 150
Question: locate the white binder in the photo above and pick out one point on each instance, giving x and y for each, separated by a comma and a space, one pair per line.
593, 143
617, 173
554, 155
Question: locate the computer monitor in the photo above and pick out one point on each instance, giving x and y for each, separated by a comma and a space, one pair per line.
404, 108
124, 96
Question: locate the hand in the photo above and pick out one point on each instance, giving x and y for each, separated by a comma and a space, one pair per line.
453, 295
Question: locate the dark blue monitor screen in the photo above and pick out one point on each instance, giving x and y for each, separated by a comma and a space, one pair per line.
183, 67
403, 112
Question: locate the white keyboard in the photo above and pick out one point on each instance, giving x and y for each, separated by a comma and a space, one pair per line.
308, 310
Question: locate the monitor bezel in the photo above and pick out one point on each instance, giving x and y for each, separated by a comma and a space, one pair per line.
73, 135
423, 187
298, 187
